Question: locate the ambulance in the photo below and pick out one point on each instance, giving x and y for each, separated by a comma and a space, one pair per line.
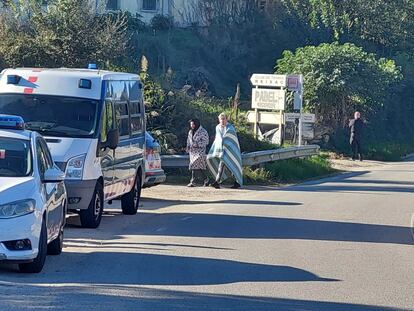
94, 124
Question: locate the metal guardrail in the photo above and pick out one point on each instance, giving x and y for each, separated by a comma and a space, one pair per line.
251, 158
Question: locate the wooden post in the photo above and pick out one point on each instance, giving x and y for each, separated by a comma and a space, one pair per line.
280, 126
256, 123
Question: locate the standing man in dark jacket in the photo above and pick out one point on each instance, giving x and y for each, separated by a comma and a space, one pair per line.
356, 126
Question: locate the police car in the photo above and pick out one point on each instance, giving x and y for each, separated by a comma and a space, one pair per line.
33, 198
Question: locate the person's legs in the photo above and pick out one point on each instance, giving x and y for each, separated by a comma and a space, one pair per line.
206, 179
359, 147
236, 185
354, 149
193, 179
220, 171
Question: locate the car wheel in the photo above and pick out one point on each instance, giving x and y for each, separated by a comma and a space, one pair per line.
91, 217
37, 264
130, 200
55, 247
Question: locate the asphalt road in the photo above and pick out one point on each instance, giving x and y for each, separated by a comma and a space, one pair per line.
343, 243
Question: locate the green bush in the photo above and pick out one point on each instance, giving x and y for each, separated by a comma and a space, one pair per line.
256, 176
294, 170
161, 22
249, 144
387, 151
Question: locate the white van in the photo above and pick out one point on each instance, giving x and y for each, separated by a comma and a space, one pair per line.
94, 124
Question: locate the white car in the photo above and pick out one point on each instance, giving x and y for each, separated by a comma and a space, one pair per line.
33, 198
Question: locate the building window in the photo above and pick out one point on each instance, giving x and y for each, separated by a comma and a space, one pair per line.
112, 5
149, 5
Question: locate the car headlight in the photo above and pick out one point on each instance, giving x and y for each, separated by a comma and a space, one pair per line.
74, 169
16, 209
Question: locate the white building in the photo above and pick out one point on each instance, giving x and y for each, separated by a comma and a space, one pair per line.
147, 9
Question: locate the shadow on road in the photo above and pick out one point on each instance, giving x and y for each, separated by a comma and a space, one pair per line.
150, 269
146, 246
254, 227
149, 203
348, 183
146, 299
346, 188
379, 182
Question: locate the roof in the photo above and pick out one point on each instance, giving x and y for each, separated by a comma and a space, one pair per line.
60, 82
75, 72
16, 134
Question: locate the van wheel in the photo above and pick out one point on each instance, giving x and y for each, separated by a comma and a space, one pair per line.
91, 217
130, 200
37, 264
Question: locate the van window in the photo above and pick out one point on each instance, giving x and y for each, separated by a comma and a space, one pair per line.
135, 107
117, 90
122, 118
134, 99
107, 120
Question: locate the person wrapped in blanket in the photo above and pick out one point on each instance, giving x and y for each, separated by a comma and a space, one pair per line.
197, 142
224, 158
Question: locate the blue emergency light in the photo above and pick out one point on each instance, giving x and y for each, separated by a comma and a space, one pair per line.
92, 66
13, 79
11, 122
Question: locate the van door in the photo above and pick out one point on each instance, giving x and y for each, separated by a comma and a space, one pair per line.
137, 115
107, 155
124, 158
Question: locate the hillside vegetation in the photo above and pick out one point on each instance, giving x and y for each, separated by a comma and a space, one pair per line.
354, 55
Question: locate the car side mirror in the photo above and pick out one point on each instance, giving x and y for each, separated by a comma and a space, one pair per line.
53, 175
112, 139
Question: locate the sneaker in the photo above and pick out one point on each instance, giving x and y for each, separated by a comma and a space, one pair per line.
191, 185
206, 183
215, 185
236, 186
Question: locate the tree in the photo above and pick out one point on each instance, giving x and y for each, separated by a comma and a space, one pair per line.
68, 33
341, 78
224, 13
388, 23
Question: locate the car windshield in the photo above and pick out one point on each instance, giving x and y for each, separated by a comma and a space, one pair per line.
53, 115
15, 157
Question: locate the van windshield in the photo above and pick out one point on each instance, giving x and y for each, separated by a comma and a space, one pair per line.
53, 115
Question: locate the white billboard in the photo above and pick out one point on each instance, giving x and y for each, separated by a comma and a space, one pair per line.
268, 99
